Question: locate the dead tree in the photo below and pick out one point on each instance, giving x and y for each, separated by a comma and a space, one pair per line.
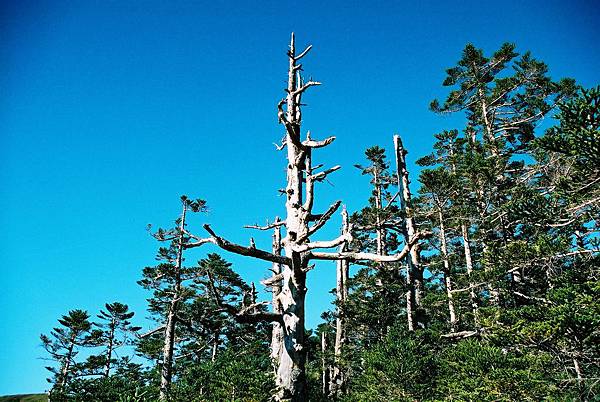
300, 225
414, 269
337, 377
276, 280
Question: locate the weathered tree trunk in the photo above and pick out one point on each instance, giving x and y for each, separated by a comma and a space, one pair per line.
469, 265
277, 330
447, 275
380, 233
290, 378
298, 249
337, 380
169, 342
414, 273
468, 256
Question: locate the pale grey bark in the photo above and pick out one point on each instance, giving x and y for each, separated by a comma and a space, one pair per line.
298, 249
469, 266
447, 275
414, 273
468, 258
380, 233
338, 377
277, 330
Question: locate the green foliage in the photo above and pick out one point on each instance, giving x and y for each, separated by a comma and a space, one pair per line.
402, 367
237, 374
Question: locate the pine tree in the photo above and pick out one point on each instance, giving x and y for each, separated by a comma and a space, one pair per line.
167, 282
63, 345
116, 331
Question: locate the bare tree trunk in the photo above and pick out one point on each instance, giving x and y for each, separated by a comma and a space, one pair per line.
277, 330
169, 343
447, 276
290, 378
337, 380
469, 264
380, 234
300, 224
414, 273
109, 351
468, 257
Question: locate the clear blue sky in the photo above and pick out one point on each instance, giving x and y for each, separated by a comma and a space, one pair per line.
109, 111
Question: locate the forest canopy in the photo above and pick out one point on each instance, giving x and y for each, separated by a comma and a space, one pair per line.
478, 281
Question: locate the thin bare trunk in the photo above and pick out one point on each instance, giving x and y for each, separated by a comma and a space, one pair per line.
447, 276
414, 274
337, 380
277, 330
469, 264
380, 234
169, 342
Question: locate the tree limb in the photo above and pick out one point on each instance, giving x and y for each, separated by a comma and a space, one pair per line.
249, 251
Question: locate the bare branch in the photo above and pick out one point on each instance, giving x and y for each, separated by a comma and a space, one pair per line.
359, 256
346, 237
304, 87
249, 251
322, 219
460, 335
322, 175
301, 55
268, 226
198, 243
151, 332
272, 280
318, 144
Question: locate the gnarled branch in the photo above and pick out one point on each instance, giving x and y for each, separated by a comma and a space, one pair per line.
323, 218
242, 250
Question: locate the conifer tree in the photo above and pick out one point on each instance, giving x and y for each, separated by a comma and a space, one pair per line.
167, 282
116, 331
64, 343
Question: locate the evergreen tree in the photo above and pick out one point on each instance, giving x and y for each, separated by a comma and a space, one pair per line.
63, 345
116, 331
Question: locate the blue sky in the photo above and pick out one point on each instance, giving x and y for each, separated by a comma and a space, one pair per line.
111, 110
